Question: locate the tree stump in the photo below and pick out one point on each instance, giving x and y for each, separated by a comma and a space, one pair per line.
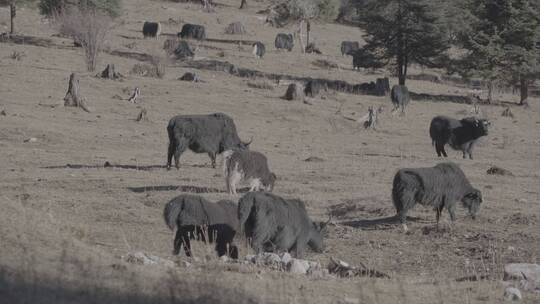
110, 73
294, 92
135, 95
142, 115
73, 98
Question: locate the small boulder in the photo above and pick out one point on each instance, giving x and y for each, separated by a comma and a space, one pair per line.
299, 266
494, 170
519, 271
512, 294
286, 258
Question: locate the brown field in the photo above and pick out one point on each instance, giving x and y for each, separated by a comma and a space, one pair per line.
63, 230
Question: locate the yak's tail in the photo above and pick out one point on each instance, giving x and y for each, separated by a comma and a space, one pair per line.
245, 206
171, 212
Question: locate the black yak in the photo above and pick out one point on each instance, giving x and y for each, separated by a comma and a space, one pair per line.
400, 97
284, 41
259, 49
313, 87
192, 31
189, 214
275, 223
349, 47
459, 134
212, 134
151, 29
439, 187
247, 166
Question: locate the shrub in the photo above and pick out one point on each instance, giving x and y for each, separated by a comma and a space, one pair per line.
52, 7
87, 27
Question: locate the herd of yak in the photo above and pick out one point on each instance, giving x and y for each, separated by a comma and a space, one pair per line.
274, 223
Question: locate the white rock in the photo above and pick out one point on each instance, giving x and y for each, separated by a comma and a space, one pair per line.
512, 294
271, 258
250, 258
31, 139
299, 266
286, 258
518, 271
224, 258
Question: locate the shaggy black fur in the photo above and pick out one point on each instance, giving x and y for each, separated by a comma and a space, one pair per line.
284, 41
349, 47
400, 97
190, 213
459, 134
272, 221
259, 49
193, 31
210, 134
151, 29
439, 187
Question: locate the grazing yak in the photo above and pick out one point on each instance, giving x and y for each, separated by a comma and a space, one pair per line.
151, 29
277, 224
439, 187
259, 49
247, 166
313, 87
459, 134
212, 134
349, 47
284, 41
189, 214
400, 97
192, 31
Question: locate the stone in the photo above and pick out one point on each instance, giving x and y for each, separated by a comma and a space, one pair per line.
299, 266
286, 258
512, 294
519, 271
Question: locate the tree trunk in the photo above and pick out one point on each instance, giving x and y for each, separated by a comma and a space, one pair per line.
308, 29
72, 98
524, 90
243, 4
490, 91
13, 13
300, 29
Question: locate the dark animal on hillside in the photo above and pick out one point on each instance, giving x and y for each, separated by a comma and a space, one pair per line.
190, 214
284, 41
259, 49
247, 166
357, 57
349, 47
192, 31
459, 134
400, 97
151, 29
439, 187
313, 87
183, 50
212, 134
277, 224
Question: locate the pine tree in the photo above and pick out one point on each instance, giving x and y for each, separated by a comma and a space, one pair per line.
502, 42
403, 32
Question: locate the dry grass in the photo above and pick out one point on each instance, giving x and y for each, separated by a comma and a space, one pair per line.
263, 85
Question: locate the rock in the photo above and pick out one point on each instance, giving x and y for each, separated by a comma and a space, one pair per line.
314, 159
31, 139
224, 258
299, 266
250, 258
512, 294
3, 113
142, 258
286, 258
189, 77
494, 170
270, 258
519, 271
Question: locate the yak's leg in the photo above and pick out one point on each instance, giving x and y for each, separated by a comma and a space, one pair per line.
439, 147
469, 150
233, 180
178, 241
439, 211
181, 146
451, 210
443, 151
213, 159
172, 146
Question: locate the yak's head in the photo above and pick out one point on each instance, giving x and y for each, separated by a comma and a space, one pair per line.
316, 234
481, 126
472, 201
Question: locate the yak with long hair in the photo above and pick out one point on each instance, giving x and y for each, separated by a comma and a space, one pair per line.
190, 214
439, 187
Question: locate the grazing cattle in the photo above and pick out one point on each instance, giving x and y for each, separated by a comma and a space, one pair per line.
193, 31
400, 97
259, 49
189, 214
349, 47
277, 224
313, 87
438, 187
212, 134
284, 41
459, 134
151, 29
247, 166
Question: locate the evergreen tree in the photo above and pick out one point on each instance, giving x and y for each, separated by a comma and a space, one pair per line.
403, 32
502, 42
